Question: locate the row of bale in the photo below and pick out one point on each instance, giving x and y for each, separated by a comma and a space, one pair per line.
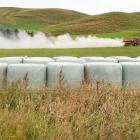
44, 71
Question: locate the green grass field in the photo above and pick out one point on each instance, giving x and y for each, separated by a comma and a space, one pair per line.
124, 35
118, 51
59, 21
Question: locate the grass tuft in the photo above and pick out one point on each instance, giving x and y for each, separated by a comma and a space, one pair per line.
70, 113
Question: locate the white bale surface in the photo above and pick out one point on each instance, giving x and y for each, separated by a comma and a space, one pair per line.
73, 73
119, 57
131, 73
11, 60
129, 60
3, 72
138, 59
126, 59
36, 74
64, 57
108, 73
122, 58
99, 59
38, 60
76, 60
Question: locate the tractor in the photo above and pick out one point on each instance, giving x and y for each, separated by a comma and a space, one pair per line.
133, 42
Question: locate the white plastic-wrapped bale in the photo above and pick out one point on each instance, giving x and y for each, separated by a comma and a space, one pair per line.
99, 59
75, 60
137, 59
64, 57
131, 73
123, 58
34, 73
119, 57
38, 60
129, 60
11, 60
107, 73
126, 59
73, 73
88, 58
3, 73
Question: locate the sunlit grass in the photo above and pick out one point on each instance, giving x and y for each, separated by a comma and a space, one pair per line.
123, 51
70, 113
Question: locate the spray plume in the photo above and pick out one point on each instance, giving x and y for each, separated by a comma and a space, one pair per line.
23, 40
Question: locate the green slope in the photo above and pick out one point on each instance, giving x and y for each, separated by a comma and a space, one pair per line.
104, 23
59, 21
36, 18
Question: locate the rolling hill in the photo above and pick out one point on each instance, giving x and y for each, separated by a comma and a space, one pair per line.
104, 23
59, 21
36, 18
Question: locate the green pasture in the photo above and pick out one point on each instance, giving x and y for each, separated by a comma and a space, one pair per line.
116, 51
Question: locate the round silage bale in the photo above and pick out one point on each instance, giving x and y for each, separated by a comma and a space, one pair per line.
129, 60
74, 60
99, 59
88, 58
35, 73
123, 58
126, 59
11, 60
137, 59
131, 73
73, 73
120, 57
66, 57
103, 72
3, 73
38, 60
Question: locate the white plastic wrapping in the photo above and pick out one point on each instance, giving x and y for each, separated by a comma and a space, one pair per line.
123, 58
73, 73
36, 74
38, 60
75, 60
120, 57
131, 73
99, 59
126, 59
103, 72
64, 57
129, 60
11, 60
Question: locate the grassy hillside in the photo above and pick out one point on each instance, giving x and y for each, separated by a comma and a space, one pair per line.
36, 18
104, 23
123, 34
59, 21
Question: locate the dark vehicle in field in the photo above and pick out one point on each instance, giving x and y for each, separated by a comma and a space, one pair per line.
133, 42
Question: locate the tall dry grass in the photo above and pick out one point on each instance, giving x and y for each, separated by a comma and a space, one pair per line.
82, 113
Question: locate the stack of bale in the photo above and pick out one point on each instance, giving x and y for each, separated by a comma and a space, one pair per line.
45, 71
